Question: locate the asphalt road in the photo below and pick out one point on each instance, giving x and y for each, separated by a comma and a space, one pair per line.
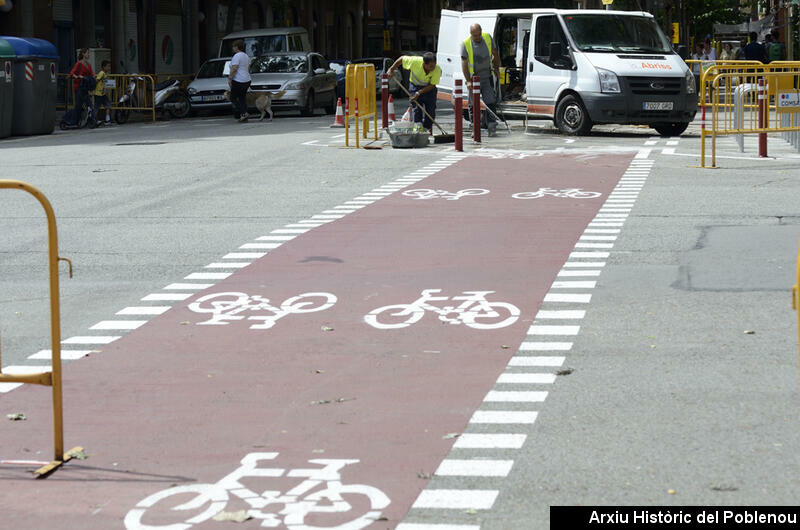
680, 388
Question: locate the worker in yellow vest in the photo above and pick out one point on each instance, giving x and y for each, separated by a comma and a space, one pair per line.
479, 57
424, 75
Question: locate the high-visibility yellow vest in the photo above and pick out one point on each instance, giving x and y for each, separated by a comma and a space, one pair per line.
468, 45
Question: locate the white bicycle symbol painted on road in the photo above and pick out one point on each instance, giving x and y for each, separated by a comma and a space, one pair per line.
568, 193
426, 194
299, 502
475, 311
226, 307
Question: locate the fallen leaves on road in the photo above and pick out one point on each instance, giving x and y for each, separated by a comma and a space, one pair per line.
424, 474
565, 371
326, 328
471, 511
505, 346
671, 492
749, 332
234, 517
17, 416
79, 455
451, 435
327, 401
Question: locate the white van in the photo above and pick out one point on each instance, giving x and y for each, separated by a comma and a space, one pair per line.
578, 67
267, 40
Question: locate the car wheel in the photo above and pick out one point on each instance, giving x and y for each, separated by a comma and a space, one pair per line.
308, 110
571, 116
670, 129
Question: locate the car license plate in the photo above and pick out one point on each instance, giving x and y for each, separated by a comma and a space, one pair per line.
212, 98
657, 105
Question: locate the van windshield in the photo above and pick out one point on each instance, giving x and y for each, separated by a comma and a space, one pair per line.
255, 46
617, 33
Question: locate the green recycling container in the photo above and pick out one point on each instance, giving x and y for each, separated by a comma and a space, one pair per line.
34, 71
7, 57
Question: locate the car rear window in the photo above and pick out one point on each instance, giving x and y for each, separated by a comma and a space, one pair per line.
279, 64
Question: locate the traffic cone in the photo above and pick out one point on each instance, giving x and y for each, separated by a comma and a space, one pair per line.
391, 108
338, 121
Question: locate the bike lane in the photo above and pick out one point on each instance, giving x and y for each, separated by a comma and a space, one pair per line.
181, 401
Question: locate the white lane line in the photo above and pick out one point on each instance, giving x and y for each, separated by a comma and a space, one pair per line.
668, 151
244, 255
534, 360
308, 226
602, 231
313, 223
187, 287
207, 276
536, 379
474, 468
569, 314
166, 297
327, 216
594, 245
595, 224
545, 346
349, 208
90, 340
68, 355
573, 285
118, 324
502, 396
568, 298
504, 416
339, 211
575, 255
598, 238
650, 142
229, 265
643, 153
490, 441
145, 310
456, 499
582, 272
276, 238
553, 330
290, 231
257, 246
587, 264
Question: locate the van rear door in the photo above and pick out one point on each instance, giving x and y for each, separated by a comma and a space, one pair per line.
448, 55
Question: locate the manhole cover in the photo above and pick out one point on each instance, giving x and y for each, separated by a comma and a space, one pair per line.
142, 143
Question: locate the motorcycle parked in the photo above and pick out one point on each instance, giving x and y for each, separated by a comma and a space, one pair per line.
169, 96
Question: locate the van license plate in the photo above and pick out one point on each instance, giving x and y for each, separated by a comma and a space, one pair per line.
657, 105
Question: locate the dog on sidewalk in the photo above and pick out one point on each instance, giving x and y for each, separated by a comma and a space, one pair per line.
261, 100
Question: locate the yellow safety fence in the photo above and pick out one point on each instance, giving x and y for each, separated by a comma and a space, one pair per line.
115, 86
361, 104
733, 104
51, 378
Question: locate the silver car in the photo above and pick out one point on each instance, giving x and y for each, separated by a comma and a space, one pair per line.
306, 77
207, 91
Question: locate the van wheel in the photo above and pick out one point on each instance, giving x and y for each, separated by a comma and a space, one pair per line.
571, 116
670, 129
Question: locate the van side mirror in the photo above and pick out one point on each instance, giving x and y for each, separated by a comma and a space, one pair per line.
318, 71
555, 51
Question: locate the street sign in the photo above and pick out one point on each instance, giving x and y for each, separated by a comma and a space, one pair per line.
387, 40
608, 2
675, 33
788, 101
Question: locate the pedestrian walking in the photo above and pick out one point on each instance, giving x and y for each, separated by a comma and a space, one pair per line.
754, 51
101, 92
239, 81
727, 52
776, 51
479, 57
424, 75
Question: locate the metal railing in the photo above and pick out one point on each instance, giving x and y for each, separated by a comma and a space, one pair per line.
115, 87
50, 378
749, 99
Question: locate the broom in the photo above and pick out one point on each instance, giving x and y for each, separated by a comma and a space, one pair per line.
443, 138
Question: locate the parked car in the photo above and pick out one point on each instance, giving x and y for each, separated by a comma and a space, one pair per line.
339, 66
207, 90
305, 76
382, 64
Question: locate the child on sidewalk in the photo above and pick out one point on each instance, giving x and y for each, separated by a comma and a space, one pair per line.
100, 92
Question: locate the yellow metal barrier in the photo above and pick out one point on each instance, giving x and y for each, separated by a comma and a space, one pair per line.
796, 296
53, 377
361, 104
116, 85
733, 97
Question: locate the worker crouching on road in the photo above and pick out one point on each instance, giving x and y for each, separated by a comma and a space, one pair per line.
479, 57
424, 76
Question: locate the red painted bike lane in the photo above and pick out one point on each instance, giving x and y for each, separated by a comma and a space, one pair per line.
321, 399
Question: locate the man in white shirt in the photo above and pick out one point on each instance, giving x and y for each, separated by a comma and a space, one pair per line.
239, 81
